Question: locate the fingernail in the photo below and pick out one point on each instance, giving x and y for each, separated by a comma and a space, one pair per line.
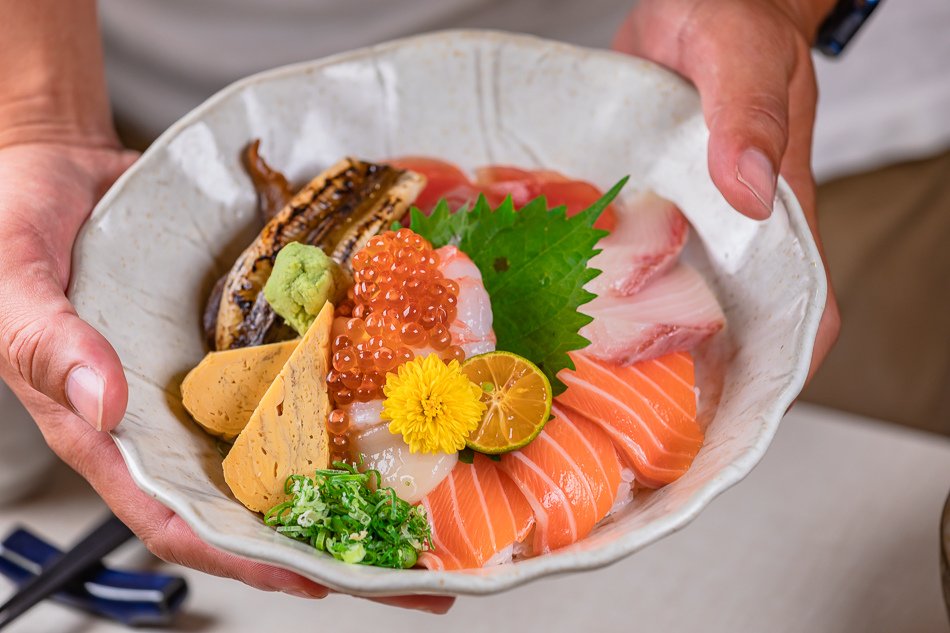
755, 171
85, 390
440, 607
435, 610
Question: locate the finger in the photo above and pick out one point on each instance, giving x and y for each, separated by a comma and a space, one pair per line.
796, 168
174, 542
438, 605
167, 536
164, 533
828, 329
96, 458
44, 343
745, 102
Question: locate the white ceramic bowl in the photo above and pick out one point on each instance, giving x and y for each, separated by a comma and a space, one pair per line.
153, 247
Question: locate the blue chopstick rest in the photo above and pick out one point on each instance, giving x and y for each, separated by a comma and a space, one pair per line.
132, 598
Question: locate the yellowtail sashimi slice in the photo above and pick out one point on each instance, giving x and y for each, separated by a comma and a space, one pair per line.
672, 313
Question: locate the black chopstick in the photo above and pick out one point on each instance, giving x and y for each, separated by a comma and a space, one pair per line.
85, 555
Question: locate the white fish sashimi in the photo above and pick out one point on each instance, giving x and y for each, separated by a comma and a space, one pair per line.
674, 312
648, 237
411, 475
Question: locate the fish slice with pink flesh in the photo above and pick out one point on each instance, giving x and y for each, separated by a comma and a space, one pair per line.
649, 234
673, 313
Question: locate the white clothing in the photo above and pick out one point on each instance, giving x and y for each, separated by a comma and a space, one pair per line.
887, 99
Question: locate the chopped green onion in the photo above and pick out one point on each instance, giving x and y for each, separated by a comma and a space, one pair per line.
349, 515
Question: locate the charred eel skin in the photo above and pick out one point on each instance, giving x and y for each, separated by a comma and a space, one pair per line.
273, 190
339, 210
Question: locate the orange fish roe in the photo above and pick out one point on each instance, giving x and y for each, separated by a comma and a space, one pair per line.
399, 301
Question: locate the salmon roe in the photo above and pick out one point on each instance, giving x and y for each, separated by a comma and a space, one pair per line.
399, 302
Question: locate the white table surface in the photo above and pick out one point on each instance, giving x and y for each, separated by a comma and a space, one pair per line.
836, 530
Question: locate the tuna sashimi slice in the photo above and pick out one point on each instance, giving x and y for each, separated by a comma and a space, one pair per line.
570, 475
474, 515
648, 410
443, 180
499, 181
496, 182
672, 313
649, 235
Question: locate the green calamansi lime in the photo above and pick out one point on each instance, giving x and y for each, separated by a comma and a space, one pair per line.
517, 396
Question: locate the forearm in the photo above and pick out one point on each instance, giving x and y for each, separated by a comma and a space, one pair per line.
52, 82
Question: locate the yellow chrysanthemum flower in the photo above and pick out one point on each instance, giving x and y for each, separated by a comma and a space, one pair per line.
433, 405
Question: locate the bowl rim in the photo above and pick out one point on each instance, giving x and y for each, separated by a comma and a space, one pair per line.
392, 582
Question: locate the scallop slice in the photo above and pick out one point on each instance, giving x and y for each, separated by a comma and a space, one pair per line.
411, 475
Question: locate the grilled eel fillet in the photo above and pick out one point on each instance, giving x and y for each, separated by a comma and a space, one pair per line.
339, 211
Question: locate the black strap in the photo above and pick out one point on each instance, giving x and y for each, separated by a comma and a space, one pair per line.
842, 23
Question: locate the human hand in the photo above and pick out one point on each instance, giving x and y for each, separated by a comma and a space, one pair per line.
67, 374
751, 62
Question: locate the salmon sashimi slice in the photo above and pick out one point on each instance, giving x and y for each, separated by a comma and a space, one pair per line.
499, 181
595, 454
570, 475
648, 237
520, 508
648, 409
475, 516
673, 313
443, 180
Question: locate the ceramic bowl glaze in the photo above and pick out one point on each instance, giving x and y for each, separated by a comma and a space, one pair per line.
153, 247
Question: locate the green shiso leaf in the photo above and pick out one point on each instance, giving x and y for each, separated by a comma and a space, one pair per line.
534, 264
345, 513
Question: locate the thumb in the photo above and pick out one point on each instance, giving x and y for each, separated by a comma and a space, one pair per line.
741, 62
47, 345
746, 110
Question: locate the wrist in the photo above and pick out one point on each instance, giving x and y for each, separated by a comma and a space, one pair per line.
49, 116
53, 86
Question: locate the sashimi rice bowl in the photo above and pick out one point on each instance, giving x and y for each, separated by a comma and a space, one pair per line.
420, 367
